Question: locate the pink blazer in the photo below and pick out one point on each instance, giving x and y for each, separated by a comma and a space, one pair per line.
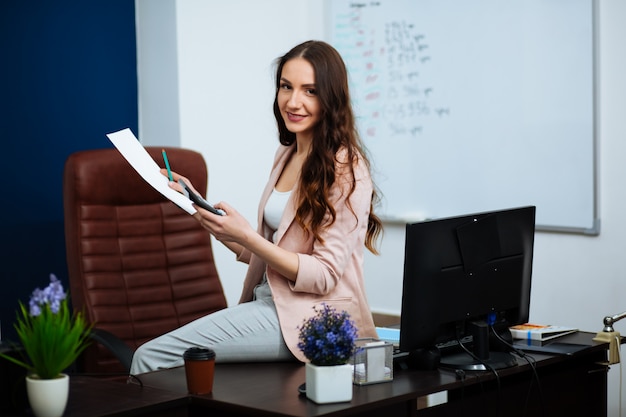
331, 272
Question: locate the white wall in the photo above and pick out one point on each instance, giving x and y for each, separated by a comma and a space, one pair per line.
157, 69
224, 77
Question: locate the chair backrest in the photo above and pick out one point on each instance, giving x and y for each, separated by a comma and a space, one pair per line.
138, 265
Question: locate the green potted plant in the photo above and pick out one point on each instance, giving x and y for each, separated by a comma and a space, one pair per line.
51, 339
328, 341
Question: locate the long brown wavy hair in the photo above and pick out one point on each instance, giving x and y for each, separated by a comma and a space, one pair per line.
336, 130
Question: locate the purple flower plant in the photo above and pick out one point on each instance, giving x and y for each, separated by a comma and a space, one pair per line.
52, 337
328, 338
52, 295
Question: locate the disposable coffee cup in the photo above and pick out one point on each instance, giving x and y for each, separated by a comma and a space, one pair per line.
199, 370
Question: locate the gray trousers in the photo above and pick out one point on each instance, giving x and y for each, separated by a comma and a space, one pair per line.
248, 332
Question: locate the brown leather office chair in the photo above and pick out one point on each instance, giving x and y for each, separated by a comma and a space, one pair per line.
139, 266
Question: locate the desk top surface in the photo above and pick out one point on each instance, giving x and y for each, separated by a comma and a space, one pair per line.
273, 387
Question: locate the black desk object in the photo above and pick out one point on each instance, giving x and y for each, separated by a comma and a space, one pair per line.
572, 385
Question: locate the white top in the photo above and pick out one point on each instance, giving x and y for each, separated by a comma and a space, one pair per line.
275, 208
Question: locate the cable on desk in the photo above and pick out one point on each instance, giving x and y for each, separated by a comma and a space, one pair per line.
490, 368
532, 363
460, 374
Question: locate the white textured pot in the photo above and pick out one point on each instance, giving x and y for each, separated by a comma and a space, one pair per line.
329, 384
48, 397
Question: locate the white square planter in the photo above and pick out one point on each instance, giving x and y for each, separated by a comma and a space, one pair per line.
329, 384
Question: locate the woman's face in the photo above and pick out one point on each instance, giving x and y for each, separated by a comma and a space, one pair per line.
297, 97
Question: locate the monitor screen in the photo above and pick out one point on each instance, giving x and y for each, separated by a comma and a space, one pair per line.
464, 277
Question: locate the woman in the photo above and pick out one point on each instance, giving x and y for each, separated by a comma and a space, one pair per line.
315, 217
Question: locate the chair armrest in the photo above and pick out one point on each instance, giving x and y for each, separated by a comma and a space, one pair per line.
115, 345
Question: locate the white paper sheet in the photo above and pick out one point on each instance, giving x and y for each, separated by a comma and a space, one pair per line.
128, 145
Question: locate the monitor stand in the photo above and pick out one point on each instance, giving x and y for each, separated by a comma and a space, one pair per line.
484, 359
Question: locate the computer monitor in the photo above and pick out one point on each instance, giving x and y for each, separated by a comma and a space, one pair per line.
465, 277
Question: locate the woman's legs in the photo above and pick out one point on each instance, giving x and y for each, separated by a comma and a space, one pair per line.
245, 332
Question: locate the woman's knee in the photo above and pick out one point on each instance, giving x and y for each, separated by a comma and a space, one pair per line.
141, 361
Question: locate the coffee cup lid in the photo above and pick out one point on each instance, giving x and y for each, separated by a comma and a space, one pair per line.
198, 354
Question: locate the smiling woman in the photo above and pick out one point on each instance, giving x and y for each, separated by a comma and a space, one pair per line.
300, 111
297, 100
309, 244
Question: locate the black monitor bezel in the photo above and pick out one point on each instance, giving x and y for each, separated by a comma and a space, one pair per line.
437, 245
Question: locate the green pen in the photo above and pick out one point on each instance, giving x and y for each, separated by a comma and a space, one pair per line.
167, 165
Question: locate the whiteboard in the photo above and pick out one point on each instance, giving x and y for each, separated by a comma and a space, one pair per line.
475, 105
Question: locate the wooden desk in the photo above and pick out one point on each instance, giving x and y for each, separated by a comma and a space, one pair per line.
570, 385
98, 397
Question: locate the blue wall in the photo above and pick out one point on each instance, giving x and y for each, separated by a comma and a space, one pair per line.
67, 77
